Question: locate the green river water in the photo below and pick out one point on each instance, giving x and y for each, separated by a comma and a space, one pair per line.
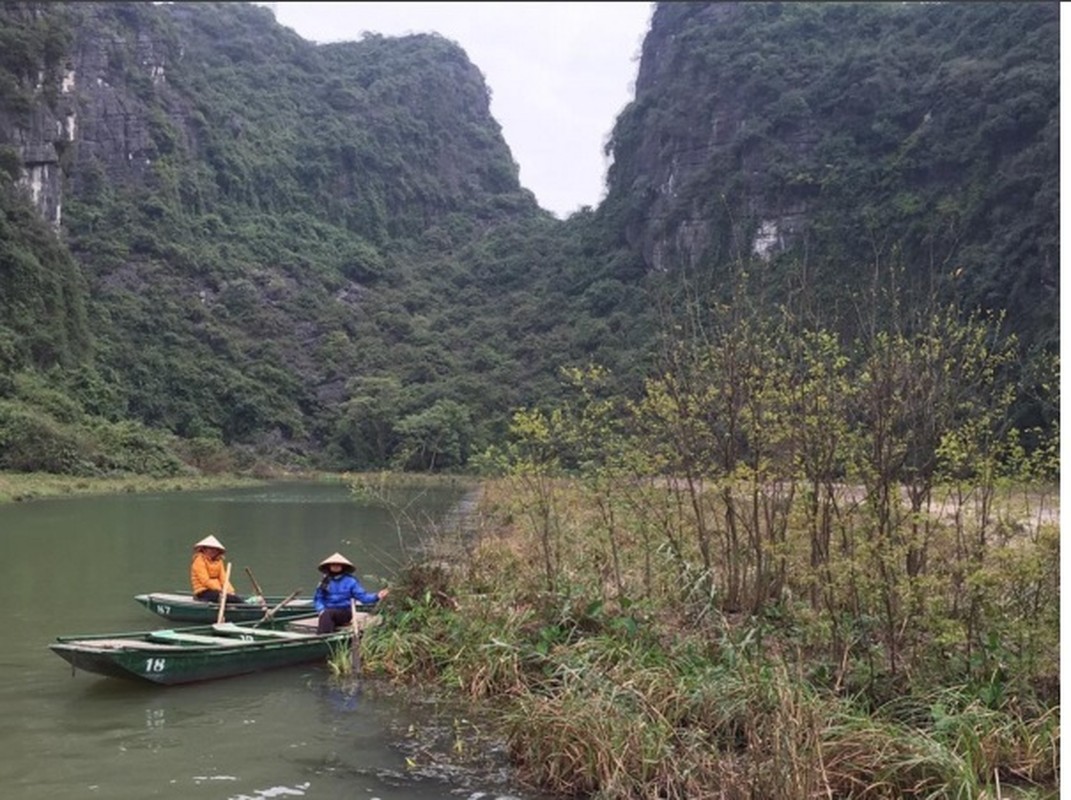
73, 565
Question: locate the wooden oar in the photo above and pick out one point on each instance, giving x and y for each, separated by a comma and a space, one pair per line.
256, 588
269, 614
223, 594
355, 645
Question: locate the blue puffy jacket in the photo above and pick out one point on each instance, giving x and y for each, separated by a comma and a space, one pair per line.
338, 591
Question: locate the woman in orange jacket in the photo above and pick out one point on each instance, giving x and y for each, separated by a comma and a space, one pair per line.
207, 571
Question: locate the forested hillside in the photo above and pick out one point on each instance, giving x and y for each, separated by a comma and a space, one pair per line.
222, 244
825, 140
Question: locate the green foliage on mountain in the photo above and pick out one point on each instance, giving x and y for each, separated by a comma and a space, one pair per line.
42, 293
921, 137
322, 255
891, 153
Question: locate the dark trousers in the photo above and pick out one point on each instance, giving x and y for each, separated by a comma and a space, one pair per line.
333, 618
212, 596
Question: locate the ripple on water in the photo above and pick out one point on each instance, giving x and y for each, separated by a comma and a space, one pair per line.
274, 791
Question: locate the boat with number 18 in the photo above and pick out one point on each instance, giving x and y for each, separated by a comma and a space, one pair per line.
206, 652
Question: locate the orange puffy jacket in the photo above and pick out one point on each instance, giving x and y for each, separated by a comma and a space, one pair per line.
205, 574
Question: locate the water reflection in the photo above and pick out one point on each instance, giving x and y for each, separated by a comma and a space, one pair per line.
341, 697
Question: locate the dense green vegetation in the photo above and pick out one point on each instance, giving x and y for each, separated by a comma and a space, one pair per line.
919, 141
321, 255
790, 568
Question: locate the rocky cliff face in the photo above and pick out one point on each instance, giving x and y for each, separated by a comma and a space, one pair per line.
682, 136
119, 65
128, 88
39, 121
91, 108
838, 135
38, 139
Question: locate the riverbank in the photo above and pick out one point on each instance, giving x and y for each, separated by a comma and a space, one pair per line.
611, 661
17, 487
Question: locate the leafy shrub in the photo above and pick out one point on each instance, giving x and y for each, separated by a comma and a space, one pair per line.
131, 447
31, 441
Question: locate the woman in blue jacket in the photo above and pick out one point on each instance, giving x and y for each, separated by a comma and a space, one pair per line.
338, 587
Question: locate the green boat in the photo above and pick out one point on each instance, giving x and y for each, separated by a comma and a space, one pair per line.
183, 607
205, 652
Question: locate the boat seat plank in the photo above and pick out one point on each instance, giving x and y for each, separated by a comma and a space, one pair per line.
230, 627
168, 597
192, 638
119, 644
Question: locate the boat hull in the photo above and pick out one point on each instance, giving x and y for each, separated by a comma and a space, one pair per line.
200, 653
182, 607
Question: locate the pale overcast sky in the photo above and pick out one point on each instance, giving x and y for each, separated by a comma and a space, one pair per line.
559, 74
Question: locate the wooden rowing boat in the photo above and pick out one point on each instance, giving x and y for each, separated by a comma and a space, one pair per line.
205, 652
183, 607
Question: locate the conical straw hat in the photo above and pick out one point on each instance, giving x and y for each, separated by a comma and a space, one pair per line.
338, 558
210, 541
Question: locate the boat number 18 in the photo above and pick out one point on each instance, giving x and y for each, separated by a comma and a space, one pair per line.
155, 664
